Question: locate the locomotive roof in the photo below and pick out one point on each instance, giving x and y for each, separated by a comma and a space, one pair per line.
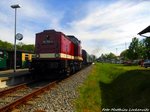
74, 39
50, 30
70, 37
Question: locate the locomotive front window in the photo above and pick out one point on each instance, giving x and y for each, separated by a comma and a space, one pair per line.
47, 40
1, 54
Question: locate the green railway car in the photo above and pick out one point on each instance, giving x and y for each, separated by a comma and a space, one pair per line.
3, 59
7, 59
22, 59
26, 58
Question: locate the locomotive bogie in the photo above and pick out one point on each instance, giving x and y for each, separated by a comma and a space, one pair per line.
53, 66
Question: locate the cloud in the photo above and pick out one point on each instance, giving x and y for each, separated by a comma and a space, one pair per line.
102, 26
117, 22
33, 16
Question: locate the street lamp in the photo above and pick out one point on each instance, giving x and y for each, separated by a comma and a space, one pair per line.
15, 7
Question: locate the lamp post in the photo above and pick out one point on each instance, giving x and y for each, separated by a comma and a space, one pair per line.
15, 7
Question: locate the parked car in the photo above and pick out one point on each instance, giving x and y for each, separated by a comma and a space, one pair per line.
146, 63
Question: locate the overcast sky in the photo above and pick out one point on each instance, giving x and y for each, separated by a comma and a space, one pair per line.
103, 26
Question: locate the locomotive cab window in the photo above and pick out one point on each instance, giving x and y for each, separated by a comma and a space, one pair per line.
47, 40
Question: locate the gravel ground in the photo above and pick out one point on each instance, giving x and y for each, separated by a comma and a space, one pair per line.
13, 96
1, 89
60, 98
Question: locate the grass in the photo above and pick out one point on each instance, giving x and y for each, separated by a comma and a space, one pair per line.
114, 86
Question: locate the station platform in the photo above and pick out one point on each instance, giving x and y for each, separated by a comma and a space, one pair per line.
9, 77
11, 73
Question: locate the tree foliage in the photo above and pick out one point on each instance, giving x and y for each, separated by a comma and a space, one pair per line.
133, 52
107, 57
137, 50
20, 46
147, 47
5, 45
124, 54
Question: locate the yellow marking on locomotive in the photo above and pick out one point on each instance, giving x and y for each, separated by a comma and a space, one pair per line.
78, 58
54, 55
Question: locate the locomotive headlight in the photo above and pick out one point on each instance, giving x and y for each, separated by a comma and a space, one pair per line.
57, 55
37, 55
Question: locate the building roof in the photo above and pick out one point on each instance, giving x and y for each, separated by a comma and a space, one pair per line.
146, 30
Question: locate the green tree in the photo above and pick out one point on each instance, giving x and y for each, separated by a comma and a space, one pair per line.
24, 47
20, 46
124, 54
107, 57
111, 56
135, 49
147, 48
29, 47
103, 57
6, 45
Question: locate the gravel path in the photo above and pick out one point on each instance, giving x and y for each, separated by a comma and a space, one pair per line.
60, 98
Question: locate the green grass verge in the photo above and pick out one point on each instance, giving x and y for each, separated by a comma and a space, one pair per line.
114, 86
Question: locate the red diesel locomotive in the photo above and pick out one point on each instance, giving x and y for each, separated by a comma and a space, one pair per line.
56, 52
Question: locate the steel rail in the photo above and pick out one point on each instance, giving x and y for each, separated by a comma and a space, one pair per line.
7, 91
27, 97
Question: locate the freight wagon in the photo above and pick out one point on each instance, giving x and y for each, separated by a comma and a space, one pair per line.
87, 59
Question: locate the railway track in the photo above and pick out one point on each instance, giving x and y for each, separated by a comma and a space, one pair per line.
15, 96
7, 91
22, 94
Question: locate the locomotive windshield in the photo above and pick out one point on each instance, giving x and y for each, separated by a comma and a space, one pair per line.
47, 40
